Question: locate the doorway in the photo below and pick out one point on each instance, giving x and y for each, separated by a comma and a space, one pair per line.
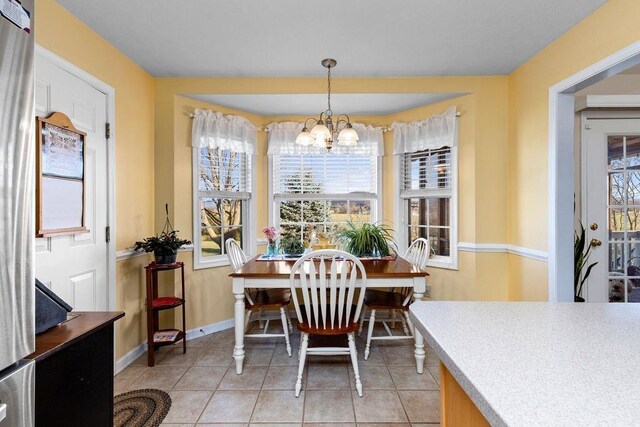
80, 268
611, 207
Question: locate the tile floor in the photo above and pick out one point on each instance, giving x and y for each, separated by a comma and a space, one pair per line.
205, 389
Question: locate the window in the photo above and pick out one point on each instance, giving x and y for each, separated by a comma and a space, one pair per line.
319, 193
427, 188
222, 203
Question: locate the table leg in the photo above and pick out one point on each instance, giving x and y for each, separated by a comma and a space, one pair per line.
238, 351
419, 353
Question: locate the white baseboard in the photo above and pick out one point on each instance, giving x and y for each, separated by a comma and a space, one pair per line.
138, 351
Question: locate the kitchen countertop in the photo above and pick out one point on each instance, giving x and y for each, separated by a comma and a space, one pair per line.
540, 363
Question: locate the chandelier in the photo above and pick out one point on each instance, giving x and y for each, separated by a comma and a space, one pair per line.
324, 133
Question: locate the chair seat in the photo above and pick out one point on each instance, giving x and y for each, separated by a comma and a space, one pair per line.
269, 298
310, 327
384, 300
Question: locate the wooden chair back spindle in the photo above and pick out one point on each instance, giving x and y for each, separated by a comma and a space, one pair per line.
328, 282
418, 255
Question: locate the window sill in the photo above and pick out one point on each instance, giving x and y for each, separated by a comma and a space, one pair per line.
213, 262
443, 263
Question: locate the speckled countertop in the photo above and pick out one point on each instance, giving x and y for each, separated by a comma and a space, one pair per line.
540, 363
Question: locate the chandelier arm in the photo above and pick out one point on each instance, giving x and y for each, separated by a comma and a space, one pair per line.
310, 118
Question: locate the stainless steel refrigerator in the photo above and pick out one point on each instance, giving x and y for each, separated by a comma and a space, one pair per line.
17, 235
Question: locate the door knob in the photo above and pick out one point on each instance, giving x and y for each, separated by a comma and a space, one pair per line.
596, 242
594, 226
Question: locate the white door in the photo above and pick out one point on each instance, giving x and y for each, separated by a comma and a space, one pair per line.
75, 266
611, 177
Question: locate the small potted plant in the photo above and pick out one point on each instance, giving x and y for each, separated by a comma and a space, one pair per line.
292, 247
366, 240
164, 246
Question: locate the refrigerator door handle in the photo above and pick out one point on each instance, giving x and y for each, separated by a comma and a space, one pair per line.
3, 411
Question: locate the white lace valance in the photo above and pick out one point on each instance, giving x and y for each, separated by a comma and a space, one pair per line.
282, 141
214, 130
432, 133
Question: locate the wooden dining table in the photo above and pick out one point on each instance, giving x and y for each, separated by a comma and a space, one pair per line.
269, 274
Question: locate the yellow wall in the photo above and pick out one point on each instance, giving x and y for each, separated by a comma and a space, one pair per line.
607, 30
67, 37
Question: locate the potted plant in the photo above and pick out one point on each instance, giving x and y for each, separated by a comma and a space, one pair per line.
292, 246
272, 240
164, 246
366, 239
580, 258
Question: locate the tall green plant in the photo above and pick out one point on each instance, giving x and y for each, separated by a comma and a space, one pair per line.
581, 257
366, 239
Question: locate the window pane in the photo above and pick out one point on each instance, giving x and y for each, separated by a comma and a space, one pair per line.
439, 212
294, 231
234, 233
222, 170
211, 241
359, 211
210, 212
232, 210
290, 212
314, 211
338, 211
439, 240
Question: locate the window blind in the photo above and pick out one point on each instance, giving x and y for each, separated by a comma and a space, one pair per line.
327, 175
426, 173
224, 173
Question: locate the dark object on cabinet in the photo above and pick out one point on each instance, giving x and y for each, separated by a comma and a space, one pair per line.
51, 310
74, 372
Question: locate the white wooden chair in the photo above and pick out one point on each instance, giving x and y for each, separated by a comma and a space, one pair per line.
262, 300
394, 301
327, 281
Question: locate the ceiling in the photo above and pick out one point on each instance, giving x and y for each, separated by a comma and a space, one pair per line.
356, 104
369, 38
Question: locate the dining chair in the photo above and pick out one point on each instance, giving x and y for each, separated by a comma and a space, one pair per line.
261, 300
327, 281
394, 301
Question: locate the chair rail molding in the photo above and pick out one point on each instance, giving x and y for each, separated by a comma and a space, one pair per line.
503, 248
131, 253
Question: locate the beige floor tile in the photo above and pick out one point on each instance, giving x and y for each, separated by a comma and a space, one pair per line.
398, 355
160, 377
421, 406
223, 425
175, 357
432, 360
378, 406
383, 425
282, 378
250, 379
375, 355
201, 342
229, 407
325, 376
406, 378
258, 356
372, 376
435, 372
176, 425
275, 425
186, 406
214, 357
328, 406
282, 358
201, 378
278, 406
330, 425
124, 379
425, 425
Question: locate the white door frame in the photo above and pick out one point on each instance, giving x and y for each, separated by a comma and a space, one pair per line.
111, 159
561, 158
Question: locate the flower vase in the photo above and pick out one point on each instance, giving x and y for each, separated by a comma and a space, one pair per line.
272, 249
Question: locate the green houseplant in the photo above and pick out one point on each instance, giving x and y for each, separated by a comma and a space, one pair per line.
292, 246
580, 259
164, 246
366, 239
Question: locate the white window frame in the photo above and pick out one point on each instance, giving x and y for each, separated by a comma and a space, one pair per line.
400, 213
248, 218
274, 203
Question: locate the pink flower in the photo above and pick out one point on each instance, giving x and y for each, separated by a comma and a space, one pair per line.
270, 233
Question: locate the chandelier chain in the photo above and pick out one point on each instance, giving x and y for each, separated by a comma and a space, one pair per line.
329, 112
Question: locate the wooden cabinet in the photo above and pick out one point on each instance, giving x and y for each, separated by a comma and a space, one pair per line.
74, 371
157, 303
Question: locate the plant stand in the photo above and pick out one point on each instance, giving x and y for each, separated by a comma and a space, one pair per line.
154, 304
